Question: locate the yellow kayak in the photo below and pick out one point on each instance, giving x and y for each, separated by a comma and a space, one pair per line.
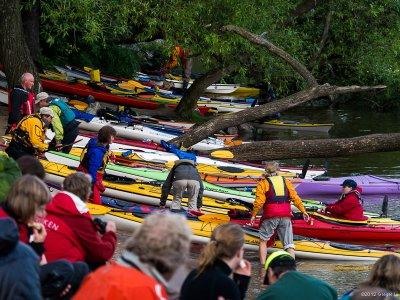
293, 125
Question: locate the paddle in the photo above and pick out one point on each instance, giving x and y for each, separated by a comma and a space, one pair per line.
67, 145
305, 169
222, 154
384, 213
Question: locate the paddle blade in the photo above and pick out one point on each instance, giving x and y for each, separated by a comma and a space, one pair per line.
96, 209
225, 154
214, 218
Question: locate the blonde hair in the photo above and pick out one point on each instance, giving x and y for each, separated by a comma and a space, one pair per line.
26, 195
226, 240
163, 241
271, 168
385, 273
78, 184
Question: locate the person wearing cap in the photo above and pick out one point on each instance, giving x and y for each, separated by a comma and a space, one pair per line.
28, 138
285, 282
349, 206
20, 101
64, 124
274, 195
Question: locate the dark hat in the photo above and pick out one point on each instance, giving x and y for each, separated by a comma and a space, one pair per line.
350, 183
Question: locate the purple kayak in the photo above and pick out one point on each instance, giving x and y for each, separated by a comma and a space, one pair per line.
372, 185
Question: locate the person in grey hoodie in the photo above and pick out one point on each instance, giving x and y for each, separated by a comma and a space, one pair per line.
183, 176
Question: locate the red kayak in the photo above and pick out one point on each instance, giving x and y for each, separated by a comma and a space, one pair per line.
369, 234
84, 90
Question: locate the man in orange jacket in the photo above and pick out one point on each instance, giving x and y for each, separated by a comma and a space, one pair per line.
274, 195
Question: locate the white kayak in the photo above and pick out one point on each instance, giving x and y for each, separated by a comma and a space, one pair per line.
217, 88
143, 133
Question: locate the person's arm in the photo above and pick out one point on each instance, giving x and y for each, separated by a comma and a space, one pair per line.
342, 206
166, 187
57, 125
262, 188
242, 282
29, 282
95, 160
294, 196
36, 135
17, 99
200, 195
97, 248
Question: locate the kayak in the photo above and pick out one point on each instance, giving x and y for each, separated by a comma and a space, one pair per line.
305, 248
146, 193
217, 88
293, 125
81, 74
141, 132
84, 90
375, 231
370, 184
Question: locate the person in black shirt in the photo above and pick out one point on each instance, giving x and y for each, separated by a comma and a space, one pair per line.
222, 256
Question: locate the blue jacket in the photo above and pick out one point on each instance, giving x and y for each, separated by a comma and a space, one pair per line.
19, 267
93, 160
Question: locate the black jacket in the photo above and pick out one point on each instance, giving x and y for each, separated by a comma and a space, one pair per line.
213, 283
183, 169
19, 267
18, 97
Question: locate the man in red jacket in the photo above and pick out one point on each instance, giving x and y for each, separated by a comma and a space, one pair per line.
71, 232
349, 206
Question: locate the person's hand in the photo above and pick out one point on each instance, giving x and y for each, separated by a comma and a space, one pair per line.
112, 158
39, 232
111, 227
321, 210
306, 217
100, 186
162, 207
244, 268
59, 146
252, 221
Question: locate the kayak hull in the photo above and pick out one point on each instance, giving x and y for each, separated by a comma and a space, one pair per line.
296, 126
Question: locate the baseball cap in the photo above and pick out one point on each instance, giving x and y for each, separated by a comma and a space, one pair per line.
41, 96
350, 183
278, 258
46, 111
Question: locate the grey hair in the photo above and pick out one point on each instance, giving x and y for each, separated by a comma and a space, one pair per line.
163, 241
24, 76
271, 168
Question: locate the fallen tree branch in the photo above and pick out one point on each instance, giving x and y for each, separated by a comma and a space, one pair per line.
256, 39
221, 122
319, 148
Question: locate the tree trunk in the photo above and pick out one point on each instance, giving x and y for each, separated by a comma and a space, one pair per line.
256, 39
188, 102
14, 51
324, 38
199, 133
320, 148
30, 22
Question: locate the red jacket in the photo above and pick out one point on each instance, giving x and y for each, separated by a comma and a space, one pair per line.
22, 228
115, 281
71, 233
348, 207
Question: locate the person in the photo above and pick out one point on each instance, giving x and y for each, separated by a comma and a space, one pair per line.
274, 194
349, 205
284, 282
9, 173
150, 258
222, 256
71, 232
25, 204
64, 124
94, 159
28, 138
178, 53
383, 281
19, 270
31, 165
20, 101
183, 176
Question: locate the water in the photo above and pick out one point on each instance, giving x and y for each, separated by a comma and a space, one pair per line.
342, 275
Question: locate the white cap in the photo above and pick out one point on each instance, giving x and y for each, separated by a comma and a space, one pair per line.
41, 96
46, 111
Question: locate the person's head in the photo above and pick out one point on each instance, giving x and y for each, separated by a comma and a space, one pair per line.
27, 198
226, 243
42, 100
163, 241
47, 115
385, 273
31, 165
271, 168
27, 81
348, 185
106, 135
78, 184
277, 264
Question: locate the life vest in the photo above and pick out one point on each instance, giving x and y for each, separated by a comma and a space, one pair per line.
67, 115
84, 160
27, 106
277, 203
20, 136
